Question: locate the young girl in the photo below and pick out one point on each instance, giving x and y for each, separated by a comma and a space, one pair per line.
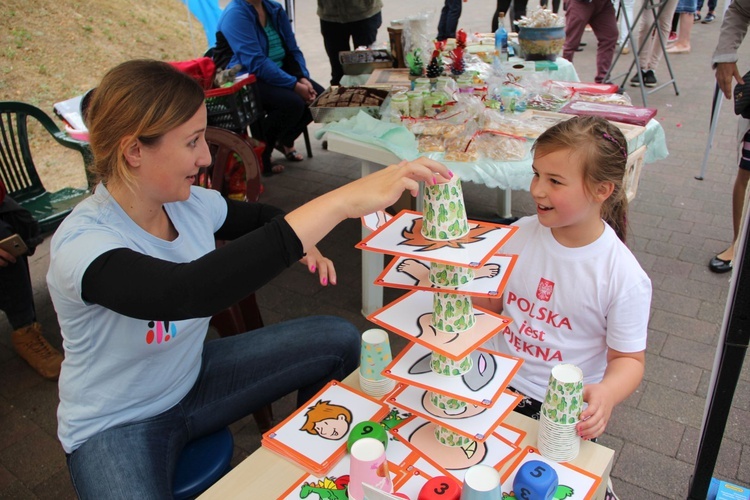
577, 295
139, 256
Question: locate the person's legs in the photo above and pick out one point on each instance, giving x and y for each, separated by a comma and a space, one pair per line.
449, 19
335, 40
627, 6
365, 32
738, 201
519, 10
239, 374
283, 108
604, 24
576, 18
294, 130
686, 10
502, 6
663, 25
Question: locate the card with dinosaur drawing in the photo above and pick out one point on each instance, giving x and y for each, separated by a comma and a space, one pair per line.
470, 420
574, 483
482, 385
412, 317
402, 235
419, 434
314, 436
414, 274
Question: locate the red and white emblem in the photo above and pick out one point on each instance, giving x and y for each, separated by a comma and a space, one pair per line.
544, 290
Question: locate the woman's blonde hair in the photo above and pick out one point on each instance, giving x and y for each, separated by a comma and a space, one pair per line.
602, 149
140, 99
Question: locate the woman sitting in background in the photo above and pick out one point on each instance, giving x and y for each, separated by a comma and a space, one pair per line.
257, 35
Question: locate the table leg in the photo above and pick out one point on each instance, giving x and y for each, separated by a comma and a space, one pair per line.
372, 263
503, 203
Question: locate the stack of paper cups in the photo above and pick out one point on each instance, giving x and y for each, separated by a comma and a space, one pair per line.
447, 275
443, 365
561, 407
375, 356
452, 312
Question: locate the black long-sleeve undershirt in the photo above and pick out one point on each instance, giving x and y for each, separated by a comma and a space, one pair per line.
137, 285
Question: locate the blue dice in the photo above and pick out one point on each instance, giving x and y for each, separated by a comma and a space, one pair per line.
535, 480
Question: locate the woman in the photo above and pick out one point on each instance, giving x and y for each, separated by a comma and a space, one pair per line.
257, 35
135, 277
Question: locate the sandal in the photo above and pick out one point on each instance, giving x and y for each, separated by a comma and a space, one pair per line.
275, 169
291, 155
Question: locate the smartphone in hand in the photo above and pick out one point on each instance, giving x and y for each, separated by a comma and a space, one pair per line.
14, 245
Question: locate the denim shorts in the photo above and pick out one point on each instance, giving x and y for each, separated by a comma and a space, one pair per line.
686, 7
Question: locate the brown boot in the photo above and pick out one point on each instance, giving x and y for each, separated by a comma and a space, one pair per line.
36, 351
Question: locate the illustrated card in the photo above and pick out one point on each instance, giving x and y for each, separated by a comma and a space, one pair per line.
376, 219
574, 483
414, 274
314, 436
402, 235
491, 372
412, 483
509, 433
473, 421
411, 317
419, 434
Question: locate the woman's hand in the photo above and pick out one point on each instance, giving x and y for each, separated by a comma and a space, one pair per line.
305, 90
315, 261
384, 187
6, 258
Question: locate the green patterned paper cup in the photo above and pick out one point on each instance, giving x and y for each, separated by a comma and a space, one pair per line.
452, 312
444, 216
446, 275
450, 438
563, 401
375, 354
443, 365
444, 402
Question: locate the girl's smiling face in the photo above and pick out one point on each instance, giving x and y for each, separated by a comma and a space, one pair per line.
168, 168
563, 202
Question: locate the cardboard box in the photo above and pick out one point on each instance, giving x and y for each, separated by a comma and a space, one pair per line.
722, 490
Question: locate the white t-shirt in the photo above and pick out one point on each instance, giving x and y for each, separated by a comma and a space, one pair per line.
569, 304
96, 395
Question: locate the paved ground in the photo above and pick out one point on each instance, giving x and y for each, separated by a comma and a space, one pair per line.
676, 225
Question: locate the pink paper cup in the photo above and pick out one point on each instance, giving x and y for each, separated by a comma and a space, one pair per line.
368, 464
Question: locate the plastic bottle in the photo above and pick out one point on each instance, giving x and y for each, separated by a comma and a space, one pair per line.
501, 39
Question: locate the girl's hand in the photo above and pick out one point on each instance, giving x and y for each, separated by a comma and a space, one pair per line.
315, 261
384, 187
594, 419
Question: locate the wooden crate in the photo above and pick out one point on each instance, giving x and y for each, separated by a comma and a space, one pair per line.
633, 172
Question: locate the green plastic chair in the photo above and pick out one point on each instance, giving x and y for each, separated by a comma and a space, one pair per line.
19, 174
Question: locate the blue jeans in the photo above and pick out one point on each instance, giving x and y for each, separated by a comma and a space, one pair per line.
711, 5
239, 375
448, 22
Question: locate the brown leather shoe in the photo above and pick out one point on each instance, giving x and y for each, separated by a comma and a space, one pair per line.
36, 351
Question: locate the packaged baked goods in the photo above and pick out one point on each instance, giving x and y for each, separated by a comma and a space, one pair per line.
461, 149
618, 99
497, 146
430, 144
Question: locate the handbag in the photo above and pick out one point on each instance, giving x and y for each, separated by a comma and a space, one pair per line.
742, 97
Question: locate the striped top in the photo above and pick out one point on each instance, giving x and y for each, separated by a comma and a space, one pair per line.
276, 51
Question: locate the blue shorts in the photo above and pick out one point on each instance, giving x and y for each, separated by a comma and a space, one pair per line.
686, 7
745, 157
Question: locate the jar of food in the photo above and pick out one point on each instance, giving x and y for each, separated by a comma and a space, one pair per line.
422, 81
416, 103
400, 104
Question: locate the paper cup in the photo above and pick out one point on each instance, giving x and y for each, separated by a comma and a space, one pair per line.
452, 312
366, 429
376, 388
443, 365
444, 216
375, 354
449, 438
558, 442
563, 401
481, 482
368, 464
443, 402
446, 275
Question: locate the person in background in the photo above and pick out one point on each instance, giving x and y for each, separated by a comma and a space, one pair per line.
601, 322
710, 16
16, 294
622, 40
342, 20
600, 15
448, 23
648, 40
519, 9
733, 31
257, 35
686, 11
135, 277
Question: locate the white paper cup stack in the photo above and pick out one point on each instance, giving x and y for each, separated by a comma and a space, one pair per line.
563, 403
